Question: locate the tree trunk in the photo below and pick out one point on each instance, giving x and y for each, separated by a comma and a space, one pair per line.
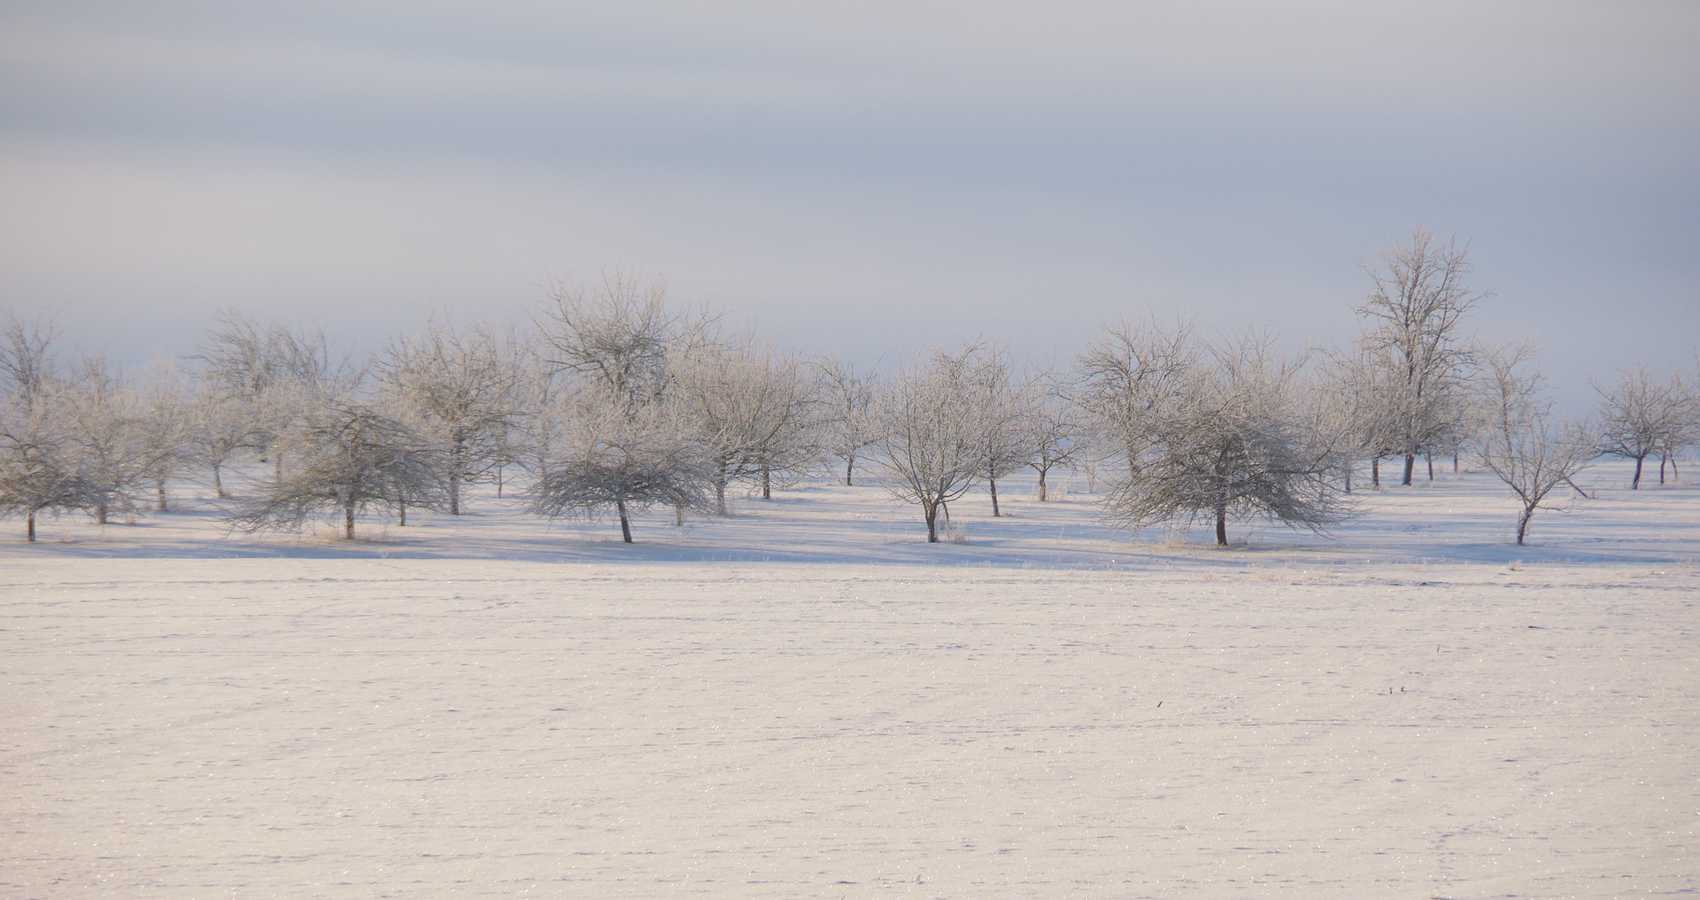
678, 515
30, 526
932, 515
454, 492
218, 482
499, 474
1410, 466
1636, 484
159, 489
1663, 458
1523, 525
100, 513
1430, 460
766, 483
1042, 497
720, 491
401, 502
625, 523
1375, 472
849, 469
1348, 470
1221, 526
348, 521
1455, 461
994, 483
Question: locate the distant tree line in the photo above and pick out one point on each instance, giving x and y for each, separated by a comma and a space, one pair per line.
615, 400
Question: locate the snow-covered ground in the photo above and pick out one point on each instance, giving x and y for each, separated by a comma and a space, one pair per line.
808, 700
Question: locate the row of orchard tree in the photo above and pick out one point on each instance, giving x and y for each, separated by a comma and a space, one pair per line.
617, 401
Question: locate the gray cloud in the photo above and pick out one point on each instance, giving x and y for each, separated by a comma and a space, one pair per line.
826, 168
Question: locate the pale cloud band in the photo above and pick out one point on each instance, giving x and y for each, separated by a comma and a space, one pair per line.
983, 169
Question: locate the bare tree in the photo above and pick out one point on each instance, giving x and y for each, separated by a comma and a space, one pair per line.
1358, 394
461, 388
39, 469
543, 395
621, 334
166, 424
1519, 443
1053, 432
1003, 414
1416, 308
1089, 456
750, 409
279, 374
26, 360
1126, 376
352, 458
622, 455
1232, 443
1684, 430
219, 427
1639, 416
848, 419
107, 426
932, 434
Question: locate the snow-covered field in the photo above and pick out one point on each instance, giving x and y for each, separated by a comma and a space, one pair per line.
808, 700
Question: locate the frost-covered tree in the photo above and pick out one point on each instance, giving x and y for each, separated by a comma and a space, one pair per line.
219, 427
106, 423
1684, 430
1519, 442
38, 462
1004, 413
1232, 442
40, 468
350, 458
932, 433
1358, 394
279, 374
166, 425
1640, 415
622, 455
1090, 455
751, 410
1415, 309
621, 334
26, 359
847, 421
1126, 376
459, 386
1053, 431
622, 337
542, 401
426, 452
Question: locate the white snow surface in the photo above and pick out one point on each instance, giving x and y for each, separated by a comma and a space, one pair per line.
809, 700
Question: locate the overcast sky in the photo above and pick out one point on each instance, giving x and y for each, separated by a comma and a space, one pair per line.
872, 179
